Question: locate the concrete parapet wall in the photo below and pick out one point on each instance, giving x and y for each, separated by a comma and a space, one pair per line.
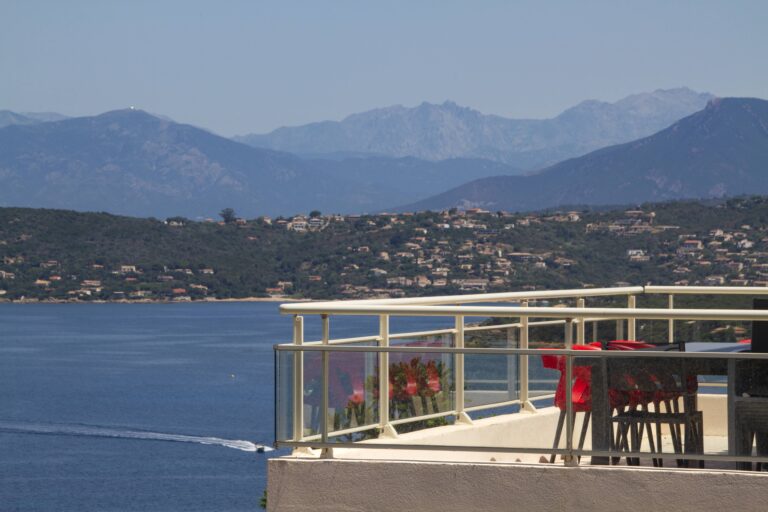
359, 485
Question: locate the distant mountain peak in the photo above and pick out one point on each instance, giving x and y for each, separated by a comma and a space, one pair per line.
721, 150
440, 131
124, 112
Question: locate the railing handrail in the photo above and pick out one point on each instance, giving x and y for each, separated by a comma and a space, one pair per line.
503, 351
292, 308
706, 290
537, 312
478, 297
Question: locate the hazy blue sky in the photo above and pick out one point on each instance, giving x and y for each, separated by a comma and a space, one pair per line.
250, 66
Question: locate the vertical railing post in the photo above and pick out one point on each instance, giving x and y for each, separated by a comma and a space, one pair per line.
458, 364
324, 404
525, 395
671, 322
385, 428
298, 379
631, 323
569, 457
513, 370
581, 325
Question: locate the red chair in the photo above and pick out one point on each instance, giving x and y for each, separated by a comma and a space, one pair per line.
638, 388
581, 392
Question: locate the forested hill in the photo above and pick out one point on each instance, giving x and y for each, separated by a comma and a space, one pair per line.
64, 255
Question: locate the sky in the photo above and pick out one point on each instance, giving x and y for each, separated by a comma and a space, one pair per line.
238, 67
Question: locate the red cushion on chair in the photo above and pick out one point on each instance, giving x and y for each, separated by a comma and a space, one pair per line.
581, 390
628, 345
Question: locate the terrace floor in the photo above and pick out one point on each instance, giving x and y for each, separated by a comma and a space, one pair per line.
522, 429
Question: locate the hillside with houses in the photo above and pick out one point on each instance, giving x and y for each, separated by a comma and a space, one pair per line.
56, 255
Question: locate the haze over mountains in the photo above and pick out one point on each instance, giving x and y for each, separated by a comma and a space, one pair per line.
719, 151
135, 163
8, 118
439, 132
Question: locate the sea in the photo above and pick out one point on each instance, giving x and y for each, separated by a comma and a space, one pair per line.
143, 407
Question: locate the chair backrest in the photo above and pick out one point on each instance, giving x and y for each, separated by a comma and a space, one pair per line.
581, 389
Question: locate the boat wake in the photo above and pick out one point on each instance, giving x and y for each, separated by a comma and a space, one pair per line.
94, 431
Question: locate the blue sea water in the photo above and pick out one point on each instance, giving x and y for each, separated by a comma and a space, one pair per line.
145, 407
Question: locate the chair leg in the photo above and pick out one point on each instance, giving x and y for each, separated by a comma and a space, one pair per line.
583, 434
676, 433
647, 425
659, 437
698, 422
558, 432
636, 432
615, 439
676, 410
626, 427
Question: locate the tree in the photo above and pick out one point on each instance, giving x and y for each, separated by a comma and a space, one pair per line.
315, 213
228, 215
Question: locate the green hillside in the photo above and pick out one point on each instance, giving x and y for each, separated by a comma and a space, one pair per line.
64, 255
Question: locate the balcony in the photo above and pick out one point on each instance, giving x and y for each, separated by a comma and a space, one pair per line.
664, 399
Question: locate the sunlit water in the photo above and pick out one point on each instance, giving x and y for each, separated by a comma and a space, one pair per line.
141, 406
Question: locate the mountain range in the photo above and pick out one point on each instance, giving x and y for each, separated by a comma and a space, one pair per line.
8, 118
720, 151
134, 163
439, 132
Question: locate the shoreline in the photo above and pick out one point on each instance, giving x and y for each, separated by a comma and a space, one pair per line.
154, 301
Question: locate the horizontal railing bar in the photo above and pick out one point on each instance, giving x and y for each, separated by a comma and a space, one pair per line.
539, 312
359, 339
402, 421
575, 321
546, 322
477, 328
495, 405
521, 450
532, 324
351, 430
484, 297
418, 334
531, 352
707, 290
290, 308
343, 341
429, 447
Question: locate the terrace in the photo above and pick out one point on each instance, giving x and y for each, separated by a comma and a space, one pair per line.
660, 416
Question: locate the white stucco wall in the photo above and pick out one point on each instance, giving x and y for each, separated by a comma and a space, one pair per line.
356, 485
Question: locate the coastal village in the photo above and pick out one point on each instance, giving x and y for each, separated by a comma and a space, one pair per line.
407, 254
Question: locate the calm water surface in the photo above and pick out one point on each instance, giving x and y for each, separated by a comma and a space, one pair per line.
142, 406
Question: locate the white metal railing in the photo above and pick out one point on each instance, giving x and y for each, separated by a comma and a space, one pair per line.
459, 307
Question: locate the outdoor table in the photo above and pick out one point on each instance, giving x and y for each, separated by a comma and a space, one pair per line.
602, 366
